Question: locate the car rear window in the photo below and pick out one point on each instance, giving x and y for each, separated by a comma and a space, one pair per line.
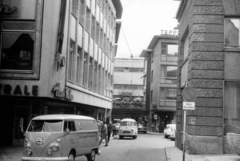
45, 126
128, 123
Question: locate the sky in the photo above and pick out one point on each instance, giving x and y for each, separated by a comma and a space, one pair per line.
141, 20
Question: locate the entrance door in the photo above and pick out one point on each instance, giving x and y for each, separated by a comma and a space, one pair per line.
6, 124
20, 125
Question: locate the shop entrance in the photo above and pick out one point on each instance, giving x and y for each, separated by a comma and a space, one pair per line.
6, 124
20, 125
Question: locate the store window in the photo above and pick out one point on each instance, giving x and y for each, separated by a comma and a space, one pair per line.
232, 107
231, 32
17, 45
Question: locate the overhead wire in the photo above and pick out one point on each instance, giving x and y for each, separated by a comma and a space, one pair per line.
127, 42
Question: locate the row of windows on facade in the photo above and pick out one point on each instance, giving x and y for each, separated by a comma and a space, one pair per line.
126, 86
21, 34
95, 38
126, 69
88, 73
100, 26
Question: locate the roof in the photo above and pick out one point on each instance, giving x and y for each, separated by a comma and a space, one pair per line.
128, 119
158, 37
62, 117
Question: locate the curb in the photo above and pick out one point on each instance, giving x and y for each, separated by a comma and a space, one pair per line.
167, 154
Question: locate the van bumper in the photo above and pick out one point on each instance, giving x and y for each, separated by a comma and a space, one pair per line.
44, 159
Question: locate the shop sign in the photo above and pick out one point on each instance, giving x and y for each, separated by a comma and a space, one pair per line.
8, 89
169, 32
64, 94
125, 93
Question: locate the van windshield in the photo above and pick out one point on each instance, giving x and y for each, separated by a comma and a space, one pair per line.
128, 123
45, 126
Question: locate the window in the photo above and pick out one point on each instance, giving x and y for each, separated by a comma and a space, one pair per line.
69, 125
45, 126
168, 74
118, 86
17, 47
232, 107
71, 61
168, 96
118, 69
90, 80
231, 32
85, 69
79, 65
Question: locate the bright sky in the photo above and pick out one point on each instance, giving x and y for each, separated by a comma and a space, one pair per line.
141, 20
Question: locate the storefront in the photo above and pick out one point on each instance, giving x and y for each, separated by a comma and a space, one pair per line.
16, 112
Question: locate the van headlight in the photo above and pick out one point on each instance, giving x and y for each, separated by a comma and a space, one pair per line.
28, 147
54, 147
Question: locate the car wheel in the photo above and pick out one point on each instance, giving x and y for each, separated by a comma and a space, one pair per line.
71, 157
91, 156
120, 137
165, 136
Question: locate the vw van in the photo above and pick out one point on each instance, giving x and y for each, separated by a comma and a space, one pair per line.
61, 137
128, 128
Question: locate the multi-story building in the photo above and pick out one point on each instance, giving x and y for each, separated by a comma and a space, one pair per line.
209, 62
55, 57
160, 80
128, 88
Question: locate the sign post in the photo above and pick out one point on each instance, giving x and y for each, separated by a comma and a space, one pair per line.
189, 94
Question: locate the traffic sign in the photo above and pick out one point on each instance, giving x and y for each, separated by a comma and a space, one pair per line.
155, 115
189, 94
188, 105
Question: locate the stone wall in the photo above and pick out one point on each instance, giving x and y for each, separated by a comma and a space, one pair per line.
202, 23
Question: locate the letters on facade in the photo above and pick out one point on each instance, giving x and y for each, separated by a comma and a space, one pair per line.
65, 94
7, 89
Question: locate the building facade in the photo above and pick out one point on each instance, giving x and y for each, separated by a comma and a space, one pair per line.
128, 88
209, 62
161, 81
55, 61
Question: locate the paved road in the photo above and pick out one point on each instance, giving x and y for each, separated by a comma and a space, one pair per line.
145, 148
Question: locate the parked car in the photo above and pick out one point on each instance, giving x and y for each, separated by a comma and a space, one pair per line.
61, 137
172, 132
142, 128
167, 130
128, 128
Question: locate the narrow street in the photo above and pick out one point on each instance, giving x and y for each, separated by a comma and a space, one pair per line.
146, 147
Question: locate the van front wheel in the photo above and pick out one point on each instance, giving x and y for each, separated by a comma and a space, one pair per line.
91, 156
71, 157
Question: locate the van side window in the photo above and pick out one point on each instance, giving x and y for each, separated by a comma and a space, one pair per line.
70, 125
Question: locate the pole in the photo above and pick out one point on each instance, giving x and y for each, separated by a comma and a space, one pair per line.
184, 132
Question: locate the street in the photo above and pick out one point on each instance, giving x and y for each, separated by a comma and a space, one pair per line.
147, 147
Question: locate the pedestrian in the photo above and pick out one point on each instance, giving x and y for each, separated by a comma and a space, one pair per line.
114, 130
109, 126
104, 133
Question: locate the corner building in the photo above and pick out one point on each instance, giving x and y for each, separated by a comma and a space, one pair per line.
209, 62
56, 57
161, 81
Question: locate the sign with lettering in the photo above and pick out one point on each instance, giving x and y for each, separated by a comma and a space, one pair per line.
169, 32
7, 89
64, 94
188, 105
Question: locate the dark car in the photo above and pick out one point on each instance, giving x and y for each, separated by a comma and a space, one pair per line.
142, 128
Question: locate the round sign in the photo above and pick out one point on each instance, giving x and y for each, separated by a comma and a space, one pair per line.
155, 115
189, 94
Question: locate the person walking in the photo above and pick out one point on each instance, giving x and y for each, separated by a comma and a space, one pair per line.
114, 130
104, 133
109, 127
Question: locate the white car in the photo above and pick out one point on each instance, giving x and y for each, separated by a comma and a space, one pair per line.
169, 129
172, 132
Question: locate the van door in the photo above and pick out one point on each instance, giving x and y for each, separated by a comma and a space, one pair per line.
70, 139
81, 149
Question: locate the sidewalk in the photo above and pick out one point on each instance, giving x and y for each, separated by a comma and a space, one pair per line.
11, 153
174, 154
